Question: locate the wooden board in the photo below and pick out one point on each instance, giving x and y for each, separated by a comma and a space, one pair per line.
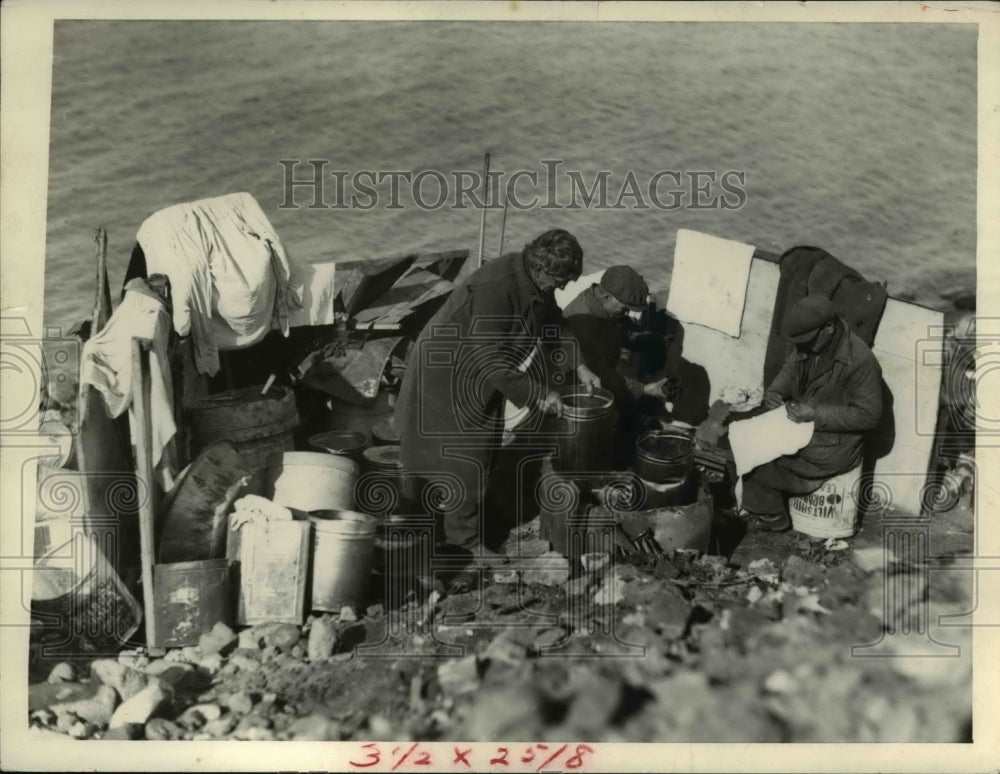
737, 362
908, 346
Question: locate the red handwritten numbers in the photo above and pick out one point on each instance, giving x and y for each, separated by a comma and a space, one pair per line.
537, 758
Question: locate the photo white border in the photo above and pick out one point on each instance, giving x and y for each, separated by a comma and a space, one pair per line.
25, 90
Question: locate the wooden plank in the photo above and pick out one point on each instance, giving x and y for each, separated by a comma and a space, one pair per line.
737, 362
908, 346
144, 471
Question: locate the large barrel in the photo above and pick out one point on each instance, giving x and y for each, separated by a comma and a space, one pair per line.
585, 432
311, 481
258, 425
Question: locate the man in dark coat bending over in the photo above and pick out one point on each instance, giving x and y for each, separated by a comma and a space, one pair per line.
831, 378
598, 318
467, 362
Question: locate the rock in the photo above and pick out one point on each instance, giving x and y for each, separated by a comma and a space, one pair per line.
376, 610
176, 674
780, 682
219, 726
211, 663
505, 576
49, 695
611, 591
528, 547
505, 650
297, 651
314, 728
256, 734
61, 673
137, 659
141, 707
380, 727
873, 559
244, 663
459, 675
125, 680
667, 612
238, 703
199, 714
595, 562
347, 614
505, 714
322, 639
250, 639
162, 730
800, 572
549, 569
82, 730
220, 639
248, 722
548, 637
125, 733
93, 702
66, 720
577, 586
592, 708
282, 636
266, 703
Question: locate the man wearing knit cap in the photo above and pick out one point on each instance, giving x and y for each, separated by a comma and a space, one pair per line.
830, 378
599, 320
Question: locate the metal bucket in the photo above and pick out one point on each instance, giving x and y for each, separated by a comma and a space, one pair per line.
190, 598
345, 443
384, 432
311, 481
381, 487
664, 456
586, 431
343, 546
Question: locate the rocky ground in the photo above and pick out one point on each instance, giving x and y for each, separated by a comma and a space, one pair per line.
679, 647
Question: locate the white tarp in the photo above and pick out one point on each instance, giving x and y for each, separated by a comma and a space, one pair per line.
708, 284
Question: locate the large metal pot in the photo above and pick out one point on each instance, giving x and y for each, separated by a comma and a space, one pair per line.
585, 431
664, 456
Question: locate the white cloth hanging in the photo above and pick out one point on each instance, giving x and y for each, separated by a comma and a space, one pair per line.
106, 363
229, 273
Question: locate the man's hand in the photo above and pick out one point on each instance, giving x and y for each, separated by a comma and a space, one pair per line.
801, 412
551, 404
655, 389
772, 400
588, 378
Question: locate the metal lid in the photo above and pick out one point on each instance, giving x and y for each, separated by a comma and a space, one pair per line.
385, 431
345, 442
383, 457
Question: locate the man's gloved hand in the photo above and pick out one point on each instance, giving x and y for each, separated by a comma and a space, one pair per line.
551, 404
801, 412
588, 378
772, 400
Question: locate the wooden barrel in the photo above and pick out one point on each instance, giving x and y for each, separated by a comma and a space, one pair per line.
257, 425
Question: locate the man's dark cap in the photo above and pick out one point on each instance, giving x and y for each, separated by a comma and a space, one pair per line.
807, 316
625, 284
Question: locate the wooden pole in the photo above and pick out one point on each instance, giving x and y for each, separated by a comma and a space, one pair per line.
144, 473
503, 225
482, 222
102, 301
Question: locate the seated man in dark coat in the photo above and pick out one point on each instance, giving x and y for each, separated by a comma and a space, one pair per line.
598, 318
830, 378
467, 362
